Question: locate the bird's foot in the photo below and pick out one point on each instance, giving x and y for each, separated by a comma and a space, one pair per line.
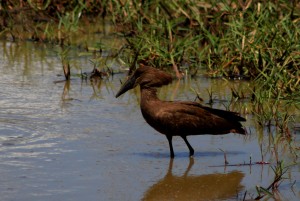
192, 153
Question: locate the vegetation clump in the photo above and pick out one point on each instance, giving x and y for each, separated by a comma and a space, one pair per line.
235, 39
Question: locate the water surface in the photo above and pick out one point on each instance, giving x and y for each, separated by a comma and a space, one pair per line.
75, 141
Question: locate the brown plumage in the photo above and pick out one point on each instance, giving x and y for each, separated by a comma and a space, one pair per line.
178, 118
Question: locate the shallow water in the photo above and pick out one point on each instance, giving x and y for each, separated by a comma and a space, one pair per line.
76, 141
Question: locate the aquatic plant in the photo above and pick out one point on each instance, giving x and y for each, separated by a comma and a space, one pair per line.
65, 63
279, 170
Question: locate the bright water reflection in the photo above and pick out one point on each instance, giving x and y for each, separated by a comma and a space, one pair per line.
75, 141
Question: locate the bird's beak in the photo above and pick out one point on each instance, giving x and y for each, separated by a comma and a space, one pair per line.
129, 84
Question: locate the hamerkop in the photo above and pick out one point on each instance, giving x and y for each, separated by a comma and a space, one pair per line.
178, 118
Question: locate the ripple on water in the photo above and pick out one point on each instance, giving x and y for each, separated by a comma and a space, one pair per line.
23, 137
27, 130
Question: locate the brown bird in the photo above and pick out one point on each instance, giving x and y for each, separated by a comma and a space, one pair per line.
178, 118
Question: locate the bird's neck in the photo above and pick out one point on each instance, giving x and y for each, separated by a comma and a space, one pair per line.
149, 101
148, 95
150, 104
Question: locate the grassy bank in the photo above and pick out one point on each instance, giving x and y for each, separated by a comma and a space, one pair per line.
228, 38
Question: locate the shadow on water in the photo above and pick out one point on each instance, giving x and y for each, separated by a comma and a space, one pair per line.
195, 187
186, 154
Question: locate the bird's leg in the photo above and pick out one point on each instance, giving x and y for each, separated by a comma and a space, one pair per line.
169, 137
191, 163
189, 146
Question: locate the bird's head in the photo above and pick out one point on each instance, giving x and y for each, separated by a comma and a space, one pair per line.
146, 77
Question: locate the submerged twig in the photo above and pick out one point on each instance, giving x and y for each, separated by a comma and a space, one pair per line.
225, 157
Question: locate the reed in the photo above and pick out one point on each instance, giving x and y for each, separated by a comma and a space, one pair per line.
279, 171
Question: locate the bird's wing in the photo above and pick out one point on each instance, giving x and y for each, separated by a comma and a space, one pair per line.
233, 116
193, 118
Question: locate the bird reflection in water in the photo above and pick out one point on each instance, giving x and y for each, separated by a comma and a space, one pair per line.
216, 186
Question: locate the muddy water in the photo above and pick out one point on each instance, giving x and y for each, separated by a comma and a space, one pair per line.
75, 141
